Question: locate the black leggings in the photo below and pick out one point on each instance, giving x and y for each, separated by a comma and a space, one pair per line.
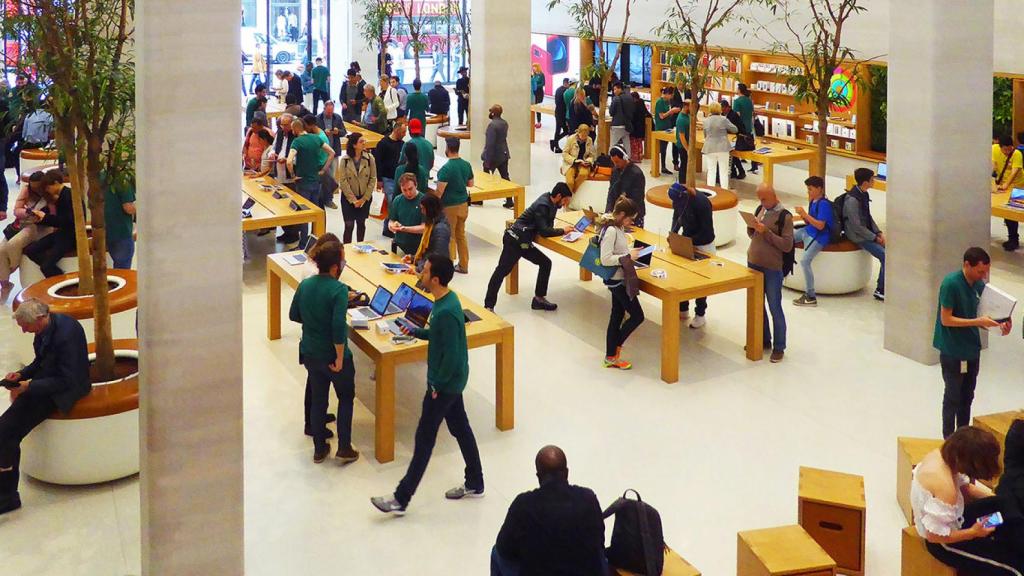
360, 228
992, 556
511, 252
619, 331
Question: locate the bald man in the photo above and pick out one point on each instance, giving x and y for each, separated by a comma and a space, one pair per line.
556, 530
771, 238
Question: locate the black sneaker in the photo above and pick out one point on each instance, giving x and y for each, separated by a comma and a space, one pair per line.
805, 300
328, 433
879, 295
1011, 245
347, 454
666, 171
543, 304
10, 503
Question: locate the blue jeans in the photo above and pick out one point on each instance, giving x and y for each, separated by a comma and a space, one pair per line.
878, 251
811, 250
121, 252
773, 296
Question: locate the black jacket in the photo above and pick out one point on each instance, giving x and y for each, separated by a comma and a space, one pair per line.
334, 140
734, 117
462, 89
638, 128
539, 218
387, 154
294, 89
60, 369
580, 114
693, 216
631, 183
64, 220
555, 530
560, 102
351, 113
440, 101
1011, 485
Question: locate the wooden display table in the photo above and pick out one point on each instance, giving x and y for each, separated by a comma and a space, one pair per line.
371, 137
916, 560
780, 154
832, 510
999, 207
364, 273
542, 108
270, 212
724, 205
675, 565
493, 186
782, 551
458, 132
686, 280
999, 425
909, 453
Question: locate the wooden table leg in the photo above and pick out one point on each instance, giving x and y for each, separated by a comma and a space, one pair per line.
670, 340
656, 158
755, 319
505, 380
512, 281
533, 129
519, 202
585, 275
769, 172
320, 226
273, 305
384, 417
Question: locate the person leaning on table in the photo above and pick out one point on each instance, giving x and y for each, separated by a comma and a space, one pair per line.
1008, 170
436, 233
578, 158
693, 217
614, 246
770, 239
405, 216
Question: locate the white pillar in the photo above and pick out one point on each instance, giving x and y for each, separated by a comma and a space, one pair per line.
939, 154
190, 323
500, 74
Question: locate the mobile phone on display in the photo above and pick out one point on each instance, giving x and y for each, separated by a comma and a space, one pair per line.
992, 520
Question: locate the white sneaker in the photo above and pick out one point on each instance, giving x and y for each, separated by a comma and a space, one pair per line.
684, 314
698, 322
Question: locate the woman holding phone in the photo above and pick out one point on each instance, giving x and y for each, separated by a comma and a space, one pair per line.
614, 246
953, 513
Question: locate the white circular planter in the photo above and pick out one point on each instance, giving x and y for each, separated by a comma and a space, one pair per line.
835, 272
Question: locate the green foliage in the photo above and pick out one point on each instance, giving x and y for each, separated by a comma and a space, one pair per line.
879, 85
1002, 106
375, 27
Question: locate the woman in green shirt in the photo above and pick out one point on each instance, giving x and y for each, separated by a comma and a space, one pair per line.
412, 166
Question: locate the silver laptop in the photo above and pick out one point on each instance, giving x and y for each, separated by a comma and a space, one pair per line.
380, 306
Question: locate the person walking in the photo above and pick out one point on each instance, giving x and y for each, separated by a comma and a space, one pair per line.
693, 217
447, 375
638, 128
561, 122
957, 337
309, 159
814, 236
517, 242
259, 69
770, 239
496, 154
615, 246
621, 111
320, 305
357, 182
537, 83
744, 106
454, 180
321, 83
417, 103
351, 97
717, 149
462, 94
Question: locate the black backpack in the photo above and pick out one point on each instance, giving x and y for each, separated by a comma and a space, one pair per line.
788, 258
835, 234
638, 544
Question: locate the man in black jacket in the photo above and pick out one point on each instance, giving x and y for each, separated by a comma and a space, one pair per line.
56, 379
627, 180
561, 121
351, 97
735, 164
538, 219
693, 217
556, 529
333, 126
440, 101
462, 93
387, 154
48, 250
294, 88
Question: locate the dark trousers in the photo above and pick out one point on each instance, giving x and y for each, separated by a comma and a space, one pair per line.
561, 127
319, 96
511, 252
959, 393
437, 408
1012, 229
319, 379
619, 331
47, 252
678, 157
991, 556
702, 306
503, 171
736, 168
684, 159
310, 191
26, 412
463, 106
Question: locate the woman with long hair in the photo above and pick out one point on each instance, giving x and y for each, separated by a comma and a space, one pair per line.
357, 181
437, 233
412, 166
614, 246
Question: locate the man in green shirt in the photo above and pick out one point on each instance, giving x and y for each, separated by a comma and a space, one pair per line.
447, 374
454, 180
304, 160
957, 337
683, 140
425, 149
321, 83
119, 212
416, 104
326, 198
405, 219
744, 106
320, 305
254, 104
664, 113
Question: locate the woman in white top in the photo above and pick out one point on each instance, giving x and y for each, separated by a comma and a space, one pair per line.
615, 245
716, 145
949, 508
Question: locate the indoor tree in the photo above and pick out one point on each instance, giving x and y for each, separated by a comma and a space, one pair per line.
690, 24
593, 20
81, 52
415, 18
376, 27
817, 47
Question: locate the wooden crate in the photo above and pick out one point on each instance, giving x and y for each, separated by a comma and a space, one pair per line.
832, 510
782, 551
916, 560
675, 565
909, 453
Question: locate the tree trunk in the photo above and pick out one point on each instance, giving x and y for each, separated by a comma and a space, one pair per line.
693, 156
382, 58
101, 301
602, 109
416, 54
71, 147
822, 159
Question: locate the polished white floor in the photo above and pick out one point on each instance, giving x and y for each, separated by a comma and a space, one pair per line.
716, 453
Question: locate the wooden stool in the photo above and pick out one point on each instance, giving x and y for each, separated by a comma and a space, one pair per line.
909, 453
782, 551
674, 566
999, 425
832, 510
916, 560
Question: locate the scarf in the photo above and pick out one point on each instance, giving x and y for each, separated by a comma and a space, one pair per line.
428, 228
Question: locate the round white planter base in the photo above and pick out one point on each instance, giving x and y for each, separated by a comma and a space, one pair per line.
834, 272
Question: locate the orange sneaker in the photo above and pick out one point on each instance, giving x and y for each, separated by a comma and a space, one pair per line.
617, 363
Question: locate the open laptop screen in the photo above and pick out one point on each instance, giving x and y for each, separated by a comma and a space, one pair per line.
403, 296
379, 303
419, 309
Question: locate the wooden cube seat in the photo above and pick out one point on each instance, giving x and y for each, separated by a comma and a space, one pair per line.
832, 509
781, 551
909, 453
675, 565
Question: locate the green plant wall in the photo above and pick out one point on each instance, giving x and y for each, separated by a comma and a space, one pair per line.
1002, 107
879, 106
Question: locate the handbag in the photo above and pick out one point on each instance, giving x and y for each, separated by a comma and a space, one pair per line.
591, 259
629, 277
357, 299
745, 143
12, 229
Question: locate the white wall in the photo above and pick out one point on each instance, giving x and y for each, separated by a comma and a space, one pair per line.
868, 33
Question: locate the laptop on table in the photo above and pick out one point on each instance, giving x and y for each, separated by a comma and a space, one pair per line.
301, 257
578, 230
683, 246
643, 260
380, 306
416, 315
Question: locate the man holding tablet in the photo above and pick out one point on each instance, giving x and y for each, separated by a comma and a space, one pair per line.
517, 243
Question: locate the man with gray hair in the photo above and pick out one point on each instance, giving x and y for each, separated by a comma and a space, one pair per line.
56, 379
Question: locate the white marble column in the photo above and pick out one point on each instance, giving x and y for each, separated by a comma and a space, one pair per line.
939, 154
500, 74
190, 310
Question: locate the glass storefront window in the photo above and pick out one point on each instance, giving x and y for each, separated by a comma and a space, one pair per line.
287, 32
441, 37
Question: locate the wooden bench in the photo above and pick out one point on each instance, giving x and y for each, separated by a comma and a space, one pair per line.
999, 425
782, 551
915, 560
841, 268
675, 565
909, 453
98, 441
832, 510
724, 205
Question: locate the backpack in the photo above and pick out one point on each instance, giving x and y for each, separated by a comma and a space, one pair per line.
638, 543
788, 258
835, 234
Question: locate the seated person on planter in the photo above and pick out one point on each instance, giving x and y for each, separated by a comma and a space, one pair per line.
48, 250
56, 379
814, 236
860, 227
1011, 484
24, 230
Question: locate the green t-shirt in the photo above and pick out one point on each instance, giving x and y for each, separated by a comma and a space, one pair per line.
568, 97
456, 173
416, 105
422, 177
320, 305
320, 75
962, 298
661, 107
119, 223
307, 157
407, 213
323, 153
745, 108
250, 111
682, 128
447, 349
425, 149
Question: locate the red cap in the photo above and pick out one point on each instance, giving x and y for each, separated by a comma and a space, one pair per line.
415, 126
